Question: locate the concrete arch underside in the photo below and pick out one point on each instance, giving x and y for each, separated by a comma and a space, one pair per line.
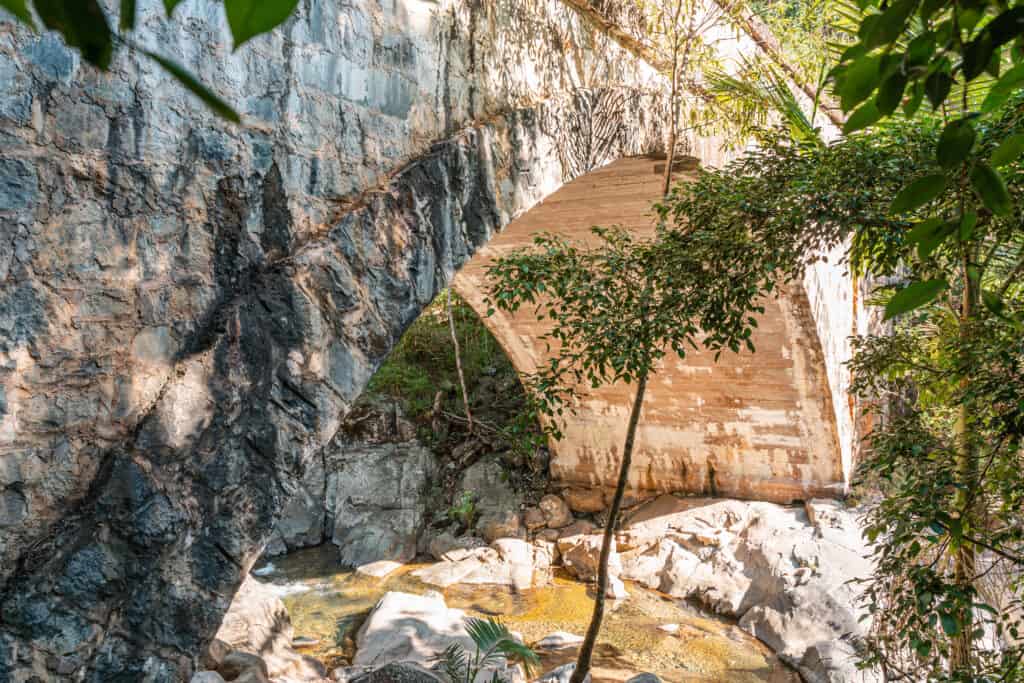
757, 426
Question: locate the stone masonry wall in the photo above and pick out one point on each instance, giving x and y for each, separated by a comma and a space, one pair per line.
187, 308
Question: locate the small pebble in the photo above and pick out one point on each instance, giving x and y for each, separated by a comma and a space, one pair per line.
304, 641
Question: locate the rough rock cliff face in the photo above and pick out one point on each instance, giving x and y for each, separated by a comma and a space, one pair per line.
187, 309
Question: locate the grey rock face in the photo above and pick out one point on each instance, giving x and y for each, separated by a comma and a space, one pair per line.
301, 524
188, 309
259, 631
377, 496
497, 503
309, 517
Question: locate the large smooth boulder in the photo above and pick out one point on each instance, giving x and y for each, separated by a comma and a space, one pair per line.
784, 572
377, 498
581, 553
404, 627
585, 500
207, 677
507, 562
398, 672
415, 629
259, 631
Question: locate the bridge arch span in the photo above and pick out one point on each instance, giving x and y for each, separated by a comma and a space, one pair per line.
758, 426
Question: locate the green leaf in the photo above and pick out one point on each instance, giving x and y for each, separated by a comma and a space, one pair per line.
858, 81
913, 102
921, 49
216, 104
127, 21
865, 116
1008, 150
992, 302
1007, 26
890, 24
914, 296
977, 55
83, 25
250, 18
919, 193
937, 87
955, 143
923, 230
930, 7
949, 624
967, 225
990, 187
891, 93
19, 9
1003, 88
928, 235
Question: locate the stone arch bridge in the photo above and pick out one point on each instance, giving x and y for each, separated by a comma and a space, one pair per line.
187, 309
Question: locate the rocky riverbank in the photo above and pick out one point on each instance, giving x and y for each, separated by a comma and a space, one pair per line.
780, 574
489, 536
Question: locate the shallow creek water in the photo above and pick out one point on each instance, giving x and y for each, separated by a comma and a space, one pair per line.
329, 604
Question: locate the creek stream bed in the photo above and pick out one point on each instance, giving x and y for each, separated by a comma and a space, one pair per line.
328, 604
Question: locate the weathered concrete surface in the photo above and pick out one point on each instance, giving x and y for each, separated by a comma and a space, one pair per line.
187, 309
757, 426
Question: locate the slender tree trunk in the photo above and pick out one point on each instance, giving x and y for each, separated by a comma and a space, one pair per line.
458, 363
964, 568
587, 649
670, 152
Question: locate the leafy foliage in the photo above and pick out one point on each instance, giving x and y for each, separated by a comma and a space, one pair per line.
84, 25
463, 511
494, 644
423, 364
945, 389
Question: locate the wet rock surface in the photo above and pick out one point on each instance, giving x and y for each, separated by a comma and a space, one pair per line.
257, 634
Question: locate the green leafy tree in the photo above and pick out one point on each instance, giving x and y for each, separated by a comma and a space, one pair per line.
944, 387
615, 309
965, 59
85, 25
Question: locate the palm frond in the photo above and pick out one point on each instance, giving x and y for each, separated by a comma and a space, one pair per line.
494, 641
454, 662
518, 653
758, 91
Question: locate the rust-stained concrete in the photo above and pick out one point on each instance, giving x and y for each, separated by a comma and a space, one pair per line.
755, 426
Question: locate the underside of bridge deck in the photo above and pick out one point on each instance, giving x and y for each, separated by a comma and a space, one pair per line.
752, 425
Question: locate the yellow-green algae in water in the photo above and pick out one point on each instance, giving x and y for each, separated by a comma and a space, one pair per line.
334, 602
